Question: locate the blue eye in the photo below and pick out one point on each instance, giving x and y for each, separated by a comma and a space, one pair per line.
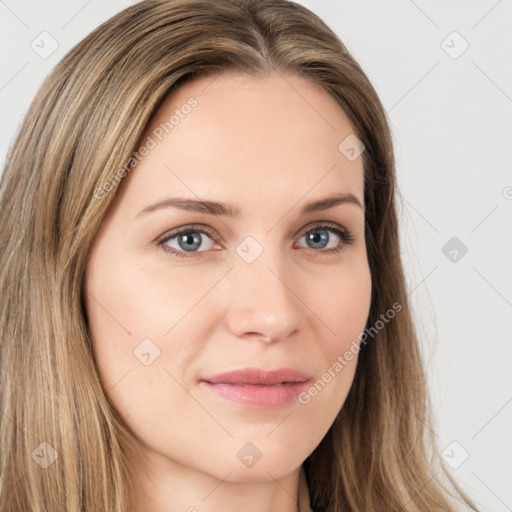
187, 241
319, 238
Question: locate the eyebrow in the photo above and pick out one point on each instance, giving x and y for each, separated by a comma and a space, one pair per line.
224, 209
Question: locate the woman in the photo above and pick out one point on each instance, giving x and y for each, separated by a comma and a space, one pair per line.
206, 302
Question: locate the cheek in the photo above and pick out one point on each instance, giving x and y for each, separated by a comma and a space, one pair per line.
342, 304
145, 317
134, 317
130, 302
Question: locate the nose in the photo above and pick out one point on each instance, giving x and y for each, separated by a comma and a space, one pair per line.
262, 302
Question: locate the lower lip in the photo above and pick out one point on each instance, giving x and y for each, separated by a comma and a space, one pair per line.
258, 396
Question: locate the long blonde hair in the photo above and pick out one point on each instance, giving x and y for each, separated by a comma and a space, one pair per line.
80, 130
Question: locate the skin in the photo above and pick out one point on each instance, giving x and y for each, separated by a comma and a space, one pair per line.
267, 146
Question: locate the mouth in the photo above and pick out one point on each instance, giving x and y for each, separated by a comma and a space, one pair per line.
258, 388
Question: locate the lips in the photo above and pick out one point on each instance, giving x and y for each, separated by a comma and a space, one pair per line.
258, 376
257, 388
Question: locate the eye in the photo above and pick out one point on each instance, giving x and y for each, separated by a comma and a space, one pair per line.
319, 239
187, 240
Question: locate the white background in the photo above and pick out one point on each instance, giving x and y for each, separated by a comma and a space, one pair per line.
451, 117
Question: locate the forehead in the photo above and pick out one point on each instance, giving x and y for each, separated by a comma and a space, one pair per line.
272, 138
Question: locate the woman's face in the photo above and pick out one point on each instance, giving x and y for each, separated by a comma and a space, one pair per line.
263, 275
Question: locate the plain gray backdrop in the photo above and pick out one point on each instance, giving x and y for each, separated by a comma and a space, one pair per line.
443, 71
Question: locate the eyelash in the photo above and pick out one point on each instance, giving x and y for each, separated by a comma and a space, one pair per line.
346, 238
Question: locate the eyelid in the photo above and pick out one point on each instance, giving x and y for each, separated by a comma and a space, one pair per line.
317, 224
201, 228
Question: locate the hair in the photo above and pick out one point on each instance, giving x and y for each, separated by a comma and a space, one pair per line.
83, 125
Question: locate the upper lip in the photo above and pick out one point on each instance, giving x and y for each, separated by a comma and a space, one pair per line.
258, 376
